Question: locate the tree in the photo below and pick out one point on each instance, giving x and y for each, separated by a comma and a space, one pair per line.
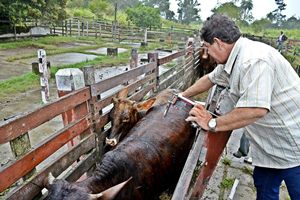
162, 5
188, 11
246, 10
77, 4
144, 16
100, 7
276, 15
260, 25
291, 23
17, 11
229, 9
124, 4
54, 10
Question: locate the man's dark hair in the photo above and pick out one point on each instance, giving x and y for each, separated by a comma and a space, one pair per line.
222, 27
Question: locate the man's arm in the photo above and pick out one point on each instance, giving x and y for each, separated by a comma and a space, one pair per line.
237, 118
202, 85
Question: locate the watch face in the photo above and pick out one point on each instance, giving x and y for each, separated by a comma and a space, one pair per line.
212, 123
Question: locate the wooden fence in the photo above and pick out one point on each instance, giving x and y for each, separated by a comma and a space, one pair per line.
114, 31
109, 30
88, 121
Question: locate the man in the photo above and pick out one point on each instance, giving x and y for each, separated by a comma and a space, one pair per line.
266, 93
280, 40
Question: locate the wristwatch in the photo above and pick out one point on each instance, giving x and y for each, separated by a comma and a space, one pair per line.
212, 124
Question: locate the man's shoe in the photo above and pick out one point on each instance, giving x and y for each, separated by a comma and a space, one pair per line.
237, 154
248, 160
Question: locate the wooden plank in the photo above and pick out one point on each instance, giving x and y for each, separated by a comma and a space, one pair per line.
102, 121
83, 166
22, 166
138, 96
109, 83
131, 87
170, 80
168, 58
12, 129
167, 73
31, 188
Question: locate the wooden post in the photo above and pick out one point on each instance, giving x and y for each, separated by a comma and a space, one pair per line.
119, 33
35, 67
90, 79
153, 57
82, 27
44, 75
145, 36
113, 31
87, 28
99, 29
19, 147
134, 58
66, 27
70, 27
78, 27
67, 81
112, 52
62, 28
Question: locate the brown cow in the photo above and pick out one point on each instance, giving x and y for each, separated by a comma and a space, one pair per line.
153, 154
126, 113
207, 63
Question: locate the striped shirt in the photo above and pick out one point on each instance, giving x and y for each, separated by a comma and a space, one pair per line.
259, 76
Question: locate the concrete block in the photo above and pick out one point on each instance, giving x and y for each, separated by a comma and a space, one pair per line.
69, 79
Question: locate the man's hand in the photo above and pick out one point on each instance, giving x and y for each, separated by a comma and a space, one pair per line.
199, 115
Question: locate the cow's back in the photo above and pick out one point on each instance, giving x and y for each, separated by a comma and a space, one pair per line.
153, 153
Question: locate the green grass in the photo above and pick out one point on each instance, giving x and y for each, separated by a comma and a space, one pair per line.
18, 85
46, 42
227, 161
227, 183
247, 170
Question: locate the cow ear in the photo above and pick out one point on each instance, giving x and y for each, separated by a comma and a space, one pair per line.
114, 100
145, 105
123, 93
110, 193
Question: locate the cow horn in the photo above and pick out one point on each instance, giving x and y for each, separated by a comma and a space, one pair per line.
51, 178
95, 196
112, 142
110, 193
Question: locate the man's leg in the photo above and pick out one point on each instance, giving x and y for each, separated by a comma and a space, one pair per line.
267, 182
244, 145
292, 181
243, 148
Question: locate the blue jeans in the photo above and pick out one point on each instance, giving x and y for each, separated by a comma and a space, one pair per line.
267, 182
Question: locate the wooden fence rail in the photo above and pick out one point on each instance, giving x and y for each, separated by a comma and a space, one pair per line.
90, 121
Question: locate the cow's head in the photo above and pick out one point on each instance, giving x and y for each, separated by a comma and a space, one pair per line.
207, 63
63, 190
124, 115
